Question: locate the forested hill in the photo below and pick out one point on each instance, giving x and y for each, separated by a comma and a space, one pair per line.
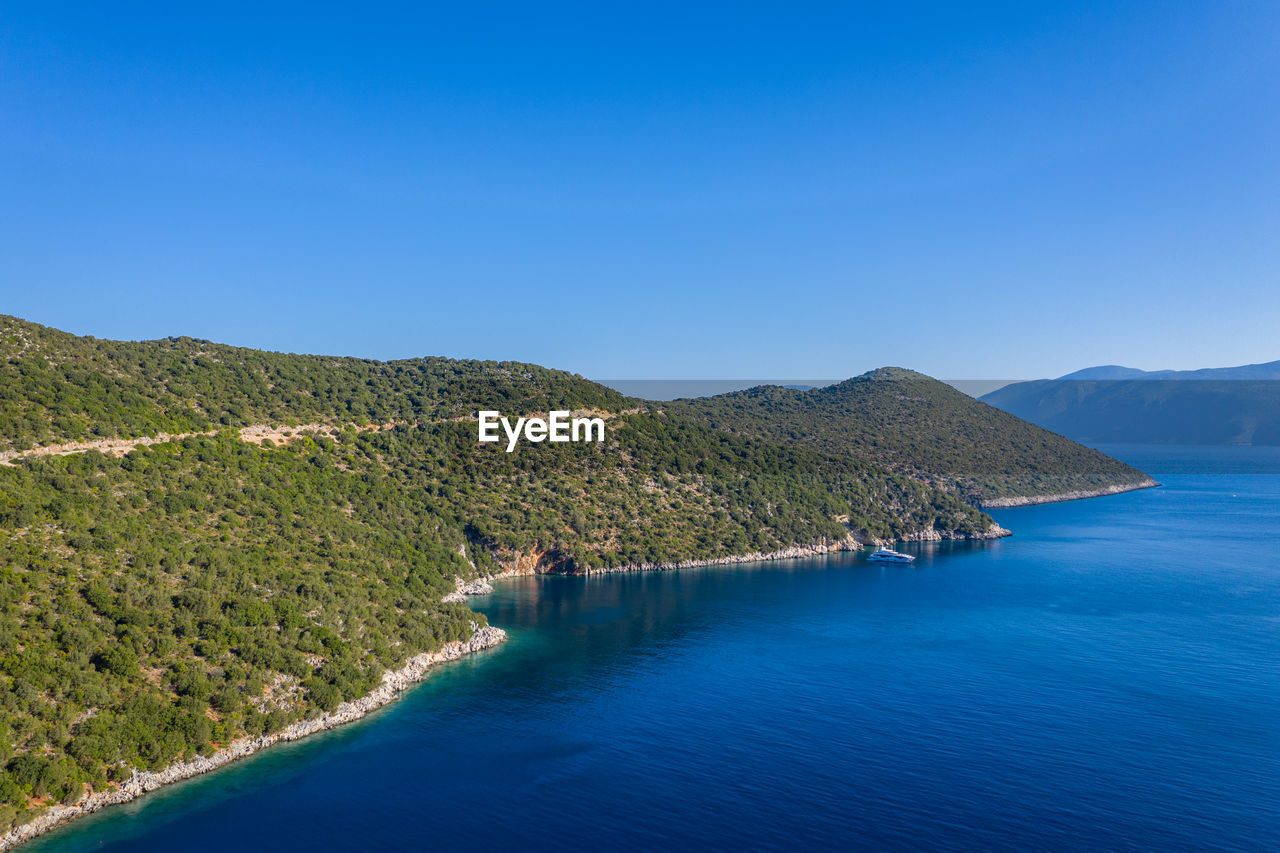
920, 427
160, 603
55, 386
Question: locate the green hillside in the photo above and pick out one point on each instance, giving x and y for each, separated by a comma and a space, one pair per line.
55, 386
155, 605
920, 427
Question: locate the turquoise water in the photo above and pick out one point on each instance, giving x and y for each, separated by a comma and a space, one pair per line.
1108, 678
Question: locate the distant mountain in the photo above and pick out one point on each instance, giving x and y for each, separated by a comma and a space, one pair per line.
1106, 371
924, 428
1223, 405
1267, 371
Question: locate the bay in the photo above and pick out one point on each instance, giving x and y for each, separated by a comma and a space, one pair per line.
1107, 678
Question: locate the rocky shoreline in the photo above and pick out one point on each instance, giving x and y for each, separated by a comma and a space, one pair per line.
393, 682
1033, 500
995, 531
794, 552
525, 565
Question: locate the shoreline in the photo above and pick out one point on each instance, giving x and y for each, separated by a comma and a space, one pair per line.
1081, 494
526, 565
415, 670
394, 682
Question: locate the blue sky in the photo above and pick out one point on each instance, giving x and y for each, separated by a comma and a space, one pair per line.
731, 190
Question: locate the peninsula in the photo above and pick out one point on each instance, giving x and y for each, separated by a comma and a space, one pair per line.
208, 549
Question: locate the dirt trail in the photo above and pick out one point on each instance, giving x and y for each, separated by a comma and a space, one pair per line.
285, 434
113, 446
120, 446
256, 434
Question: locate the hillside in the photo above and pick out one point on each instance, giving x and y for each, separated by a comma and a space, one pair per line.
1175, 410
922, 428
56, 386
157, 601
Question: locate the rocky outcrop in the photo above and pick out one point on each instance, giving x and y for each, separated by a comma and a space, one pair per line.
994, 531
1031, 500
479, 586
393, 681
534, 562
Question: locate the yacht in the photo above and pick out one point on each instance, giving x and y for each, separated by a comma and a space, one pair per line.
888, 555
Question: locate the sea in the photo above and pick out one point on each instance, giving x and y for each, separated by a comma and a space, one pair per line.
1108, 678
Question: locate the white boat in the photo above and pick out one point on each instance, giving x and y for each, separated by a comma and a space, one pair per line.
888, 555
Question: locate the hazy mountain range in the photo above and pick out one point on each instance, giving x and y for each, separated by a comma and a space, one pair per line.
1269, 370
1111, 403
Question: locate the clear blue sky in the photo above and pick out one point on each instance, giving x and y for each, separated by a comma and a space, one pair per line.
734, 190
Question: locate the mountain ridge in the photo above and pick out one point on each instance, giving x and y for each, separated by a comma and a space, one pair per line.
60, 387
920, 427
1261, 371
1226, 405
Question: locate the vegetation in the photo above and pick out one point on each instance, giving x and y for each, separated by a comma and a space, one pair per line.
156, 605
60, 387
919, 427
660, 489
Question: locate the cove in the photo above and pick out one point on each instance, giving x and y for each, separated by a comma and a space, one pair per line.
1106, 678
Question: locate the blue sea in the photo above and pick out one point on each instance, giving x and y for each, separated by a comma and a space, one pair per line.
1106, 679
